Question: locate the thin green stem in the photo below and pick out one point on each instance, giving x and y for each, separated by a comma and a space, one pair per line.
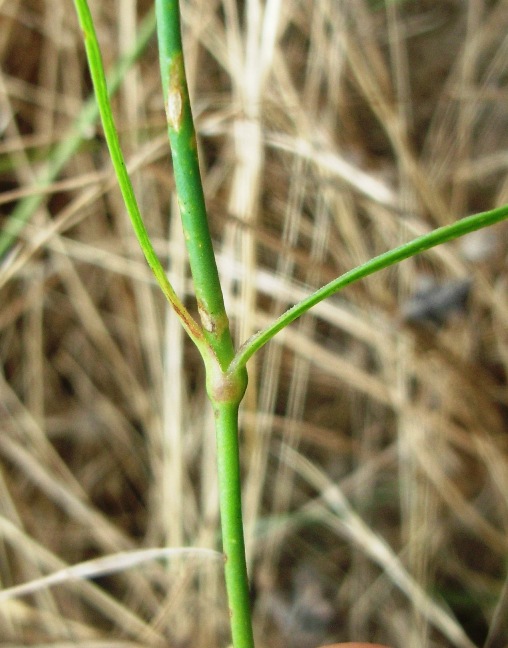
226, 425
70, 144
418, 245
191, 200
101, 94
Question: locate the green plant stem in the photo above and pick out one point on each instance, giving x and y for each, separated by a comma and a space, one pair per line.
70, 144
225, 388
110, 132
226, 425
380, 262
189, 187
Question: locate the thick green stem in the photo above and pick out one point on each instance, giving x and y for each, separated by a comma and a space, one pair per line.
189, 188
226, 426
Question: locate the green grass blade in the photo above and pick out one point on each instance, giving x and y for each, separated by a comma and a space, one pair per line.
405, 251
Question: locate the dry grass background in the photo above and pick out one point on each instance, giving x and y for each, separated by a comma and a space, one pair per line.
375, 451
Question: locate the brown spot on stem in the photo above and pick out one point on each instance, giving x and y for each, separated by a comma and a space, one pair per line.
174, 109
206, 319
214, 324
189, 321
177, 93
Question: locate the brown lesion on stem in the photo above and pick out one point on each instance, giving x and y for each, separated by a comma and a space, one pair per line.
209, 322
216, 325
192, 326
177, 93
